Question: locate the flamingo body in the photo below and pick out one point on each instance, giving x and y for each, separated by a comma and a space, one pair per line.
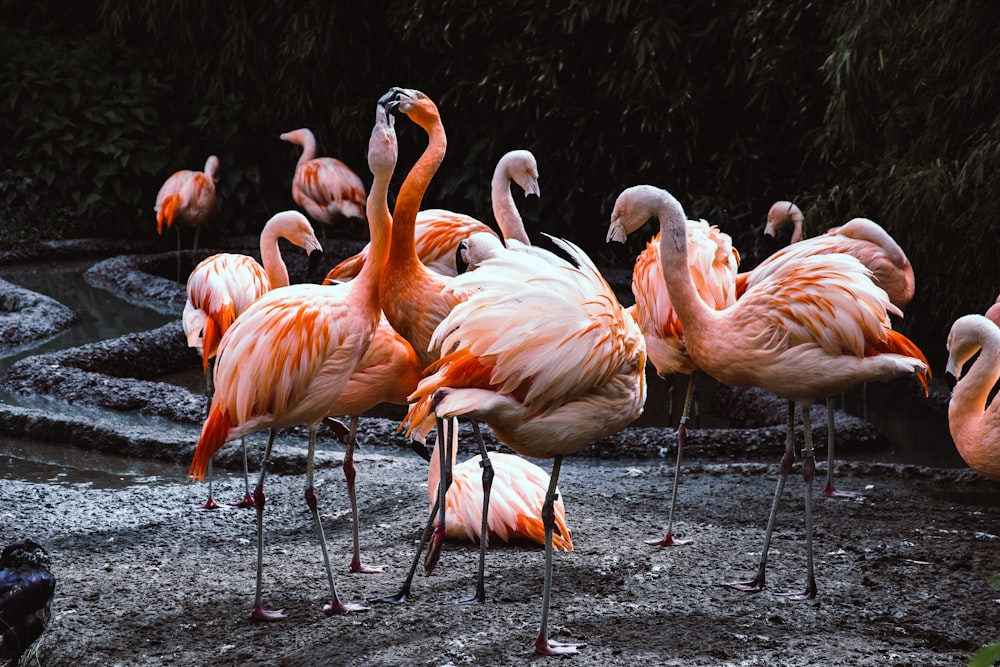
973, 420
187, 198
326, 188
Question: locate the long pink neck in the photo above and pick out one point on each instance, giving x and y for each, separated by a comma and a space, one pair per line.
270, 257
380, 228
969, 401
696, 317
308, 148
411, 193
504, 209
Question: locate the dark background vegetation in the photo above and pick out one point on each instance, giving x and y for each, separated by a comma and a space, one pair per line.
883, 109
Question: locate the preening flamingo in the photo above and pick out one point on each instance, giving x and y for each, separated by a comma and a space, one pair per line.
713, 263
27, 586
539, 348
437, 232
516, 500
326, 188
974, 421
289, 357
815, 327
224, 285
780, 214
187, 199
877, 250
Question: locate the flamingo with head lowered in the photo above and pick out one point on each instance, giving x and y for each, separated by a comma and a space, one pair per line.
815, 327
974, 420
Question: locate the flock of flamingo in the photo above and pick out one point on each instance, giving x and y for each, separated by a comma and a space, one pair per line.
440, 314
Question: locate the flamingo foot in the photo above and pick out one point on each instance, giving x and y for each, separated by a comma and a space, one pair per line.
808, 594
667, 541
752, 586
339, 608
434, 548
547, 646
403, 595
358, 567
245, 503
831, 492
261, 614
210, 504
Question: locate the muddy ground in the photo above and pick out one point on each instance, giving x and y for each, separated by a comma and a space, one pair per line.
145, 577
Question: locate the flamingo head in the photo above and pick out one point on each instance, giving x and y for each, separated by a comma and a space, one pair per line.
413, 103
781, 213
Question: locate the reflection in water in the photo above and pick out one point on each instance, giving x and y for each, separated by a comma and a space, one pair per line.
41, 462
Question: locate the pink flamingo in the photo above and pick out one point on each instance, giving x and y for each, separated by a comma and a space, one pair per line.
187, 199
289, 357
326, 188
814, 328
224, 285
974, 421
877, 250
540, 349
713, 263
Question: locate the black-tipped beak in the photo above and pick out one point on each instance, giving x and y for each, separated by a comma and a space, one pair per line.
391, 99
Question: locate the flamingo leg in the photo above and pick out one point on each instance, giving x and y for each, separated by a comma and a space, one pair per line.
349, 475
808, 473
448, 428
757, 583
403, 594
487, 467
668, 538
210, 503
335, 606
829, 491
247, 500
259, 613
543, 644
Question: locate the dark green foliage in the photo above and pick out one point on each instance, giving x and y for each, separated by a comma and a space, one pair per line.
880, 108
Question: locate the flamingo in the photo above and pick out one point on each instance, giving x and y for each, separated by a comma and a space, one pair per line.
780, 214
974, 421
27, 586
437, 232
187, 199
291, 355
815, 327
516, 501
539, 348
713, 263
878, 251
224, 285
326, 188
993, 312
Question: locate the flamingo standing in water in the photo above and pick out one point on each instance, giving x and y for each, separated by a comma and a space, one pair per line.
437, 232
187, 199
875, 248
713, 263
326, 188
815, 327
973, 420
224, 285
539, 348
291, 355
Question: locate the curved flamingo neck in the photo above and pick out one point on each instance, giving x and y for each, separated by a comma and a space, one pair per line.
270, 255
504, 209
308, 144
694, 314
379, 226
411, 193
970, 395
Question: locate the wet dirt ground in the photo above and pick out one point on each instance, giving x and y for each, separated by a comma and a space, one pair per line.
145, 577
